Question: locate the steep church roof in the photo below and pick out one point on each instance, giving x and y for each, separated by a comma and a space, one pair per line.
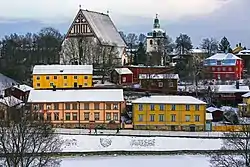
99, 25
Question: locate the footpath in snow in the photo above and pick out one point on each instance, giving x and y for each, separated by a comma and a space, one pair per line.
90, 143
142, 133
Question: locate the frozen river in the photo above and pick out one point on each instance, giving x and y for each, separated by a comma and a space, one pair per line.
135, 161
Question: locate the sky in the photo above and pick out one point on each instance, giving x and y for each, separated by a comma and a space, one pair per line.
197, 18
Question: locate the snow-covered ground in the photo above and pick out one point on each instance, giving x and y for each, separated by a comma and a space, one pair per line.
141, 132
144, 161
88, 143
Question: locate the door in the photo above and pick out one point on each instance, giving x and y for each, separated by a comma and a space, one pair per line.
192, 128
172, 128
208, 126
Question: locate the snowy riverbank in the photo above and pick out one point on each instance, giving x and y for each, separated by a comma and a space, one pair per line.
86, 143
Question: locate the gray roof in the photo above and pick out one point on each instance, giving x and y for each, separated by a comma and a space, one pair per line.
6, 82
10, 101
82, 95
223, 56
103, 28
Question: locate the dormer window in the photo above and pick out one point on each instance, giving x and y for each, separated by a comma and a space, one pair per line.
154, 34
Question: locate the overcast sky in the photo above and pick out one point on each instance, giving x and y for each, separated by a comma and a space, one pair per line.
58, 10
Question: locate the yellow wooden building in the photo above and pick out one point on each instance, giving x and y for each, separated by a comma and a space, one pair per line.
78, 108
62, 76
170, 113
244, 108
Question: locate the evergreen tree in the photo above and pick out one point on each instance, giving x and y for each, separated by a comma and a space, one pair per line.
141, 54
224, 45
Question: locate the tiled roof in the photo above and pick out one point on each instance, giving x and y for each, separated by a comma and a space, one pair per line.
6, 82
223, 56
23, 87
123, 71
82, 95
63, 69
104, 28
168, 100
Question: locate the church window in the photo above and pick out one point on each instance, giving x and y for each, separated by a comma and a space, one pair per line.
151, 42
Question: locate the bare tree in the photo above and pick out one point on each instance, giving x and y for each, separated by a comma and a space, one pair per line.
235, 151
70, 51
26, 140
210, 45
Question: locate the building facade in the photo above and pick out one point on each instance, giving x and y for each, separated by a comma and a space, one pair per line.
62, 76
20, 92
224, 66
170, 113
78, 108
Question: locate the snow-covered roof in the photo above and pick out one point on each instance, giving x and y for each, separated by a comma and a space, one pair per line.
10, 101
223, 56
198, 51
6, 82
246, 95
82, 95
168, 100
104, 28
159, 76
231, 89
244, 52
209, 116
212, 109
62, 69
123, 71
23, 87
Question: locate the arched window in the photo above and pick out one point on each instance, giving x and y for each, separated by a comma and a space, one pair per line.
151, 42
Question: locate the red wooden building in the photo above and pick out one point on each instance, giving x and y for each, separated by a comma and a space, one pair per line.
122, 76
149, 70
224, 66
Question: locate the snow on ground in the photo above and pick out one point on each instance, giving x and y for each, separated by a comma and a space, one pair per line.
87, 143
133, 161
141, 132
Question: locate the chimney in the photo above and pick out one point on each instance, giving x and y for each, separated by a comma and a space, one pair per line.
237, 85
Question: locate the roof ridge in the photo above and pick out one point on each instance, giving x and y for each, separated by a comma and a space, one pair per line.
94, 12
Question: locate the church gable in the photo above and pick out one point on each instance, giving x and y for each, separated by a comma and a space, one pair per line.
80, 27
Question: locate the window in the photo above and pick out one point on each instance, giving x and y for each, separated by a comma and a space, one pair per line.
55, 77
152, 107
218, 69
229, 68
97, 106
97, 116
41, 116
67, 106
51, 84
48, 106
197, 107
75, 84
115, 116
48, 116
213, 69
65, 84
74, 106
140, 107
74, 116
187, 117
187, 107
123, 79
65, 77
108, 116
218, 63
67, 116
38, 78
197, 118
86, 106
115, 106
56, 116
38, 84
173, 117
151, 42
224, 69
173, 107
85, 84
85, 77
162, 107
236, 69
140, 117
160, 84
171, 84
75, 77
47, 77
108, 106
152, 117
161, 118
86, 116
158, 42
56, 106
